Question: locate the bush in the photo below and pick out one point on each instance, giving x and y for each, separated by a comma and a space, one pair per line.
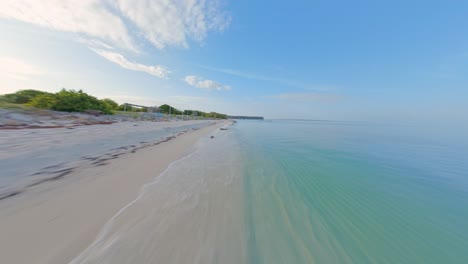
24, 96
3, 99
111, 104
121, 107
166, 109
46, 101
216, 115
78, 101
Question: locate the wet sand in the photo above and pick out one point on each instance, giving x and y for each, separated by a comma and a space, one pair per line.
31, 156
55, 221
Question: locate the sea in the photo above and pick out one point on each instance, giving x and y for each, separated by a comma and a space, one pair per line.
301, 191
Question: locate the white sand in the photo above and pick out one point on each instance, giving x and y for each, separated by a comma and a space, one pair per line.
55, 221
28, 156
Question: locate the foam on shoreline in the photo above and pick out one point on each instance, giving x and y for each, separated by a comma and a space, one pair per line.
197, 198
29, 158
56, 221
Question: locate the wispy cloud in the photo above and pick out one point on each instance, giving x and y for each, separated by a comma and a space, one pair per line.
308, 97
112, 27
283, 81
172, 23
122, 23
201, 83
156, 70
246, 75
95, 44
89, 17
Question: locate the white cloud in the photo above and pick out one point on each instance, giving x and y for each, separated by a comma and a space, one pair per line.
201, 83
259, 77
95, 44
106, 26
246, 75
89, 17
156, 70
18, 69
161, 22
167, 22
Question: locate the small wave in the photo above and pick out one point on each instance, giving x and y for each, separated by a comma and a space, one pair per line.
195, 197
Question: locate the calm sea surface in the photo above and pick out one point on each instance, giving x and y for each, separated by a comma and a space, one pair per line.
303, 192
337, 192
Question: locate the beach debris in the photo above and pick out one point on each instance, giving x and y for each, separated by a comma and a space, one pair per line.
94, 112
20, 119
101, 155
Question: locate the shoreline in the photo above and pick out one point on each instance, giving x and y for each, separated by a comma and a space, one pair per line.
57, 220
29, 157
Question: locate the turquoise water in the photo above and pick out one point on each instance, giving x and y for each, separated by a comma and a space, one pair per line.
336, 192
301, 192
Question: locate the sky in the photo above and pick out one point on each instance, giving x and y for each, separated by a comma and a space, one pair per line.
316, 59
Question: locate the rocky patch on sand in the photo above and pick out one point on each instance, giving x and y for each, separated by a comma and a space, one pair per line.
20, 119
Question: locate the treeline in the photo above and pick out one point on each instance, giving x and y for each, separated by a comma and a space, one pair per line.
79, 101
167, 109
65, 100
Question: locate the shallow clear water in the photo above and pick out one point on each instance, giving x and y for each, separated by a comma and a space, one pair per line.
336, 192
191, 213
302, 192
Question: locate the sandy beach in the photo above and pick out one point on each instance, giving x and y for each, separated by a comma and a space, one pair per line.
31, 156
53, 222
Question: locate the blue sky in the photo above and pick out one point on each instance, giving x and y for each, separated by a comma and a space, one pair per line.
340, 60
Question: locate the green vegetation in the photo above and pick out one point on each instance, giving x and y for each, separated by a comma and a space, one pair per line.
23, 96
174, 111
45, 101
79, 101
216, 115
110, 103
203, 114
65, 100
167, 109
